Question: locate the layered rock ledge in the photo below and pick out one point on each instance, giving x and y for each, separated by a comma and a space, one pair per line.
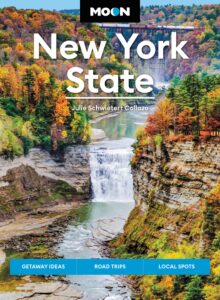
176, 174
39, 180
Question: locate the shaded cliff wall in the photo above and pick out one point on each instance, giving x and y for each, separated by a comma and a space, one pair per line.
73, 168
39, 180
25, 190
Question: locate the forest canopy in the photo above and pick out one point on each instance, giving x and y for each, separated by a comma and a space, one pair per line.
203, 43
190, 112
34, 91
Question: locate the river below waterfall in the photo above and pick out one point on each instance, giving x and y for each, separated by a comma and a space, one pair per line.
104, 217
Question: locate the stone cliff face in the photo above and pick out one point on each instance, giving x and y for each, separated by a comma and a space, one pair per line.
176, 174
177, 213
24, 190
73, 168
39, 180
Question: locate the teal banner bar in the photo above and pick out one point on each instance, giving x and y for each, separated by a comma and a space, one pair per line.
21, 267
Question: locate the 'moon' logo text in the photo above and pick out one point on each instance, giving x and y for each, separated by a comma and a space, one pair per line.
105, 11
110, 11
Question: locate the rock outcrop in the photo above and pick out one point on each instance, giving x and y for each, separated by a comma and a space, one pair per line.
73, 168
39, 180
176, 174
50, 290
25, 190
40, 175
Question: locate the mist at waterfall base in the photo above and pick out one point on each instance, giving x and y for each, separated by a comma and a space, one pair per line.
112, 201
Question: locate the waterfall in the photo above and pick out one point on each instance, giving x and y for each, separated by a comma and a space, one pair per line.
111, 172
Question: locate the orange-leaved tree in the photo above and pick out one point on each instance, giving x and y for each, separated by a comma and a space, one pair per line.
162, 120
62, 110
185, 121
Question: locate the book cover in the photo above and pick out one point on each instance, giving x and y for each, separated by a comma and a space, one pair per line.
110, 150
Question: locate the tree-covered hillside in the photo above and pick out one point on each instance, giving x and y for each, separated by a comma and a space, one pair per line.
190, 112
33, 91
203, 46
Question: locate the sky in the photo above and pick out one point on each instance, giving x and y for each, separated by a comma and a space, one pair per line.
71, 4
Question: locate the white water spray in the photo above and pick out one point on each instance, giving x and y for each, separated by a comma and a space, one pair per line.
111, 172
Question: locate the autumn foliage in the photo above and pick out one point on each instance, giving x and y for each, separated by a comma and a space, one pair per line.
203, 46
33, 92
36, 90
61, 111
161, 120
191, 108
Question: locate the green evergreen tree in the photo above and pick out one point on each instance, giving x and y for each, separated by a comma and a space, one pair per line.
190, 95
194, 289
28, 82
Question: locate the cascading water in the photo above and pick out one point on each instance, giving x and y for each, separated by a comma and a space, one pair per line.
105, 215
112, 200
110, 171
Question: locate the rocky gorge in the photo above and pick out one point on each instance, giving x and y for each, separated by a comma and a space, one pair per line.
176, 214
62, 207
176, 191
38, 196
